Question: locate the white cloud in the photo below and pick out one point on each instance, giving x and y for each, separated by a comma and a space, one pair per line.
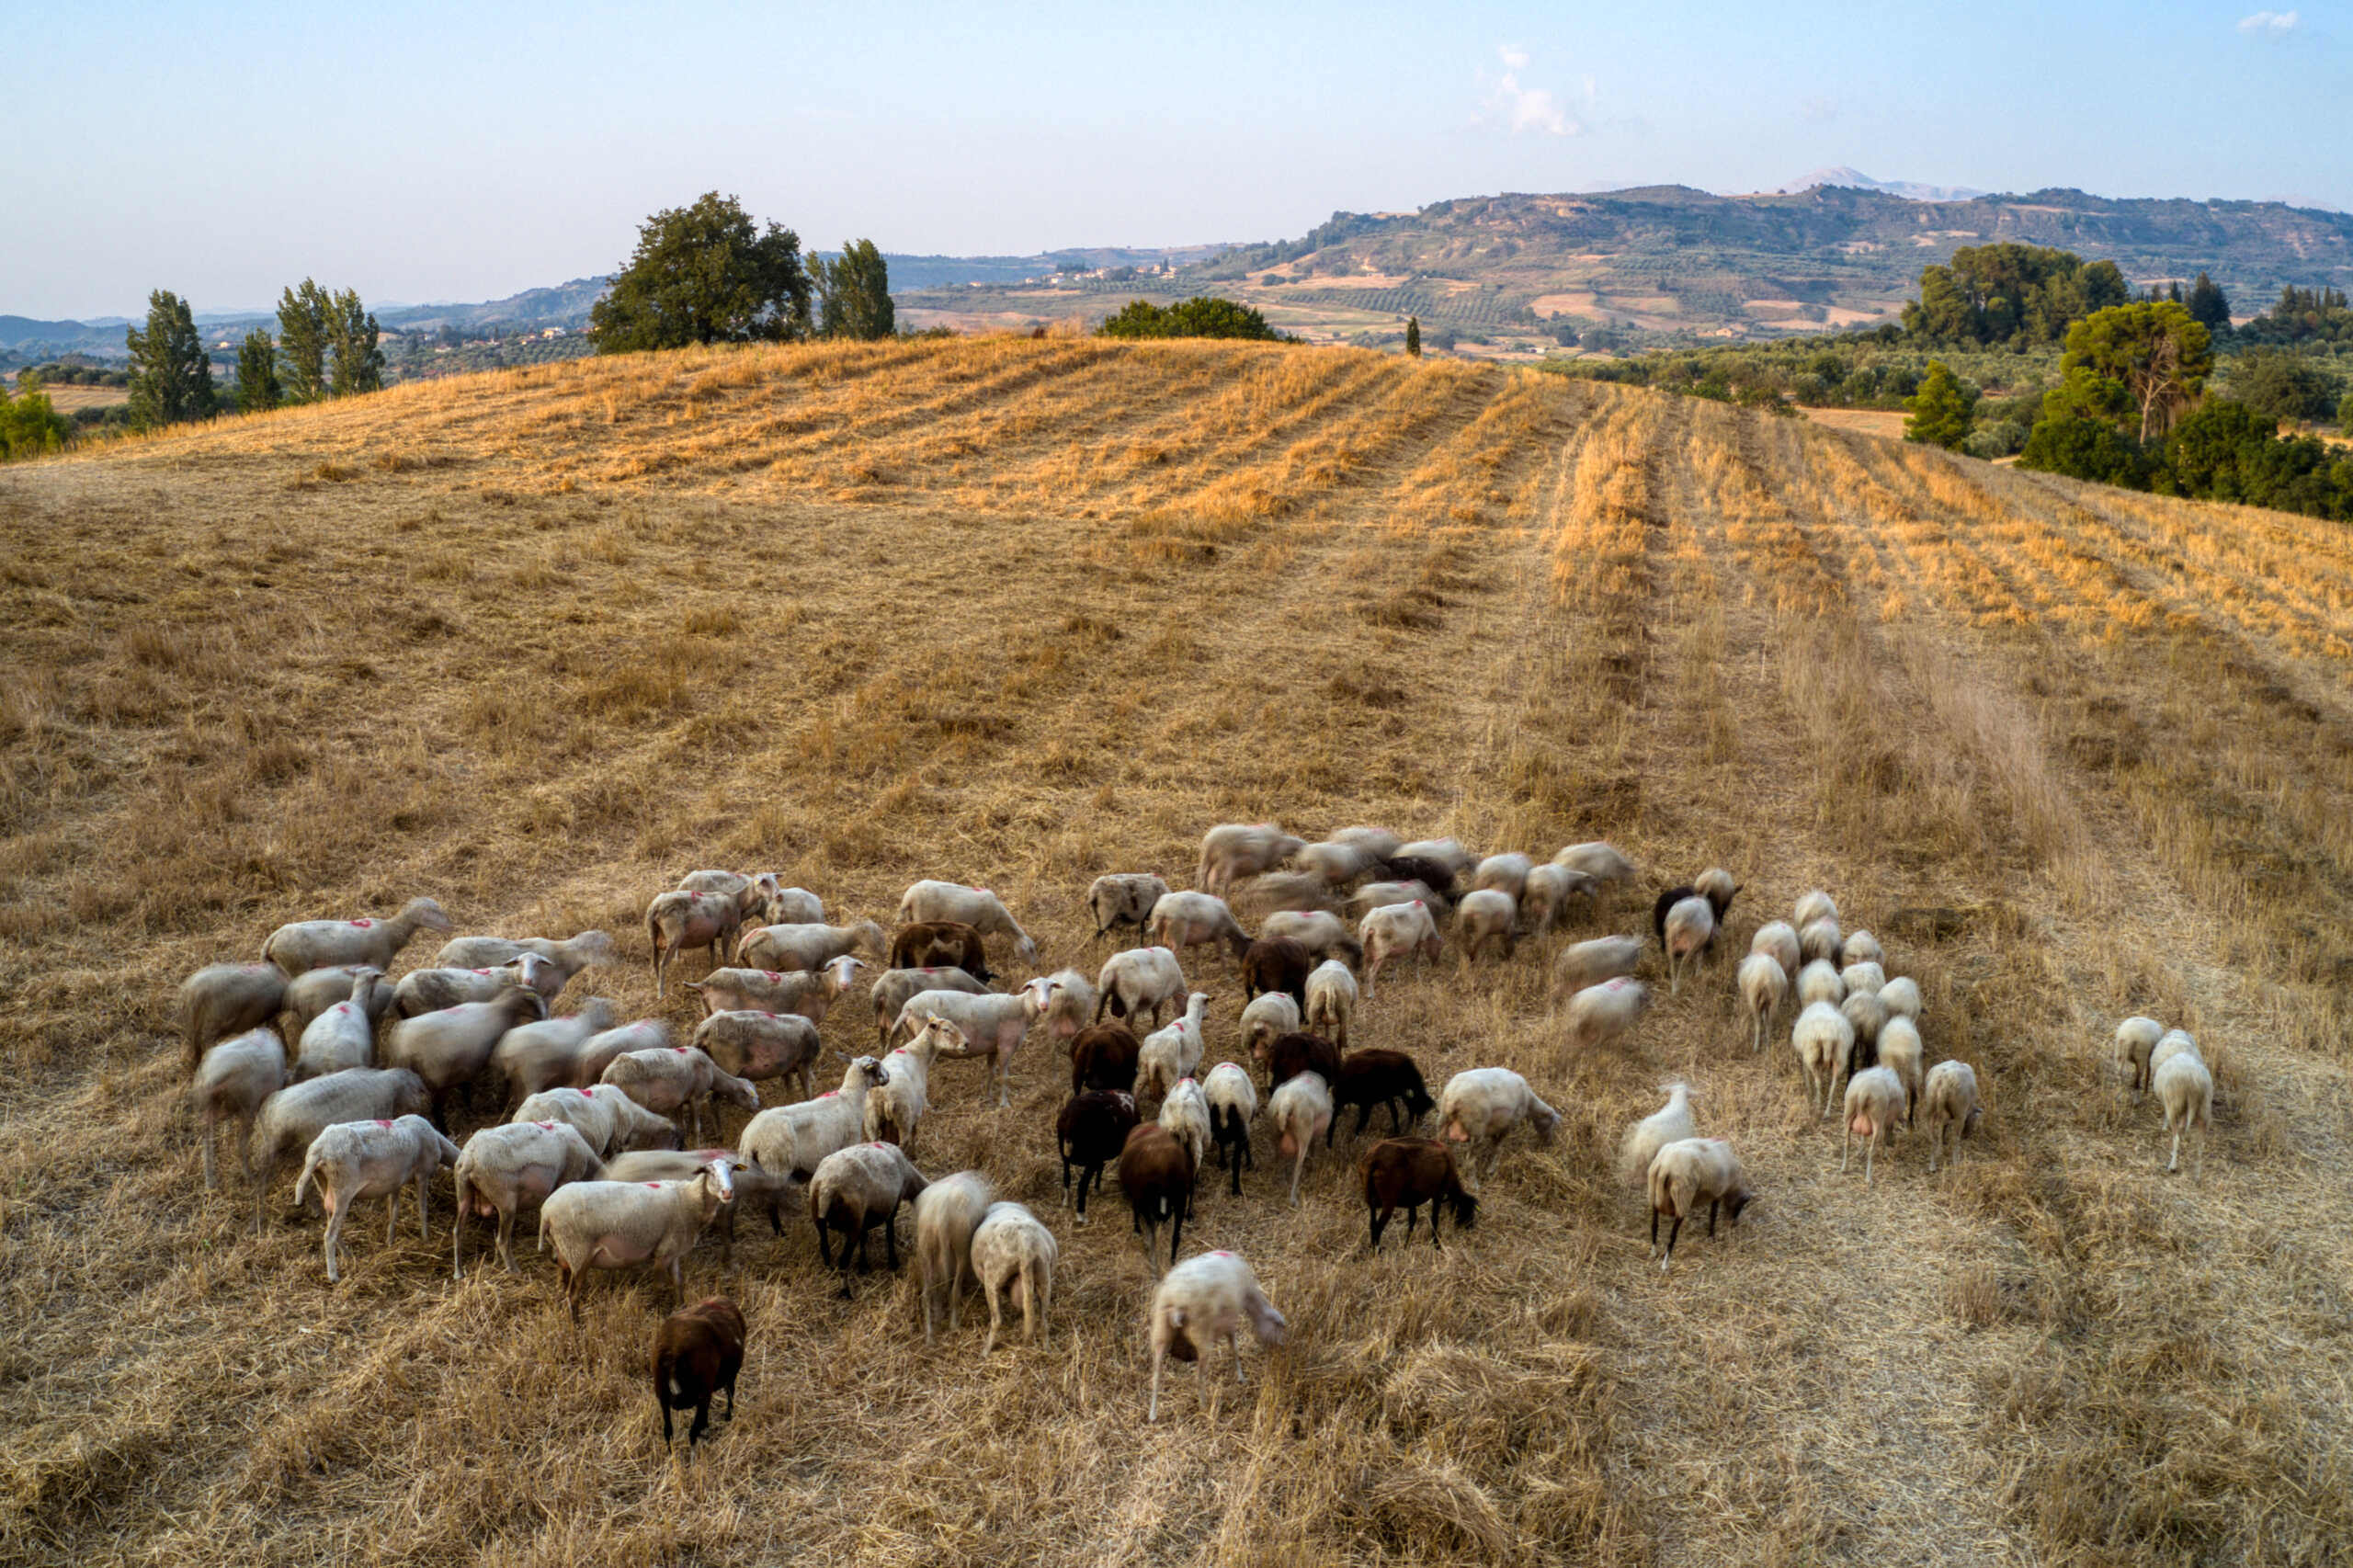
1528, 109
2269, 23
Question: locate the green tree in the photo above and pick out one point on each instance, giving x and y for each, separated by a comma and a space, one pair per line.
302, 316
171, 380
1204, 316
857, 288
2209, 307
1413, 336
1942, 410
705, 274
2345, 415
2279, 385
257, 388
2023, 296
2153, 352
351, 335
29, 422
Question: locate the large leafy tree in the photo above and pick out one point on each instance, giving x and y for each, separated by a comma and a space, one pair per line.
856, 288
171, 380
2019, 295
2150, 353
351, 333
2280, 384
705, 274
303, 341
1942, 410
257, 388
1204, 316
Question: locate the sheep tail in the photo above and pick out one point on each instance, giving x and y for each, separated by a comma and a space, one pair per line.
302, 1182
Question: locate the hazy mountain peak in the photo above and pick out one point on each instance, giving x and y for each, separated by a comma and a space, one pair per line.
1911, 190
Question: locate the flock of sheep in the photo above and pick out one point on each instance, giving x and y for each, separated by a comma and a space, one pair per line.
599, 1119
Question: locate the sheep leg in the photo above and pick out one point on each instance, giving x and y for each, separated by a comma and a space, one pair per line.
211, 1123
1175, 1240
1674, 1229
1041, 1302
1233, 1342
2174, 1162
1654, 1233
891, 1239
1297, 1166
996, 1314
1438, 1206
1159, 1355
1845, 1146
1871, 1148
1379, 1218
391, 1215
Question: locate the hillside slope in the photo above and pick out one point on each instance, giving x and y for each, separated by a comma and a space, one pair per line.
1022, 612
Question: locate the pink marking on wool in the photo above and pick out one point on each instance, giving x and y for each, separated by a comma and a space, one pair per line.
363, 925
679, 1049
544, 1126
772, 975
767, 1015
384, 1121
655, 1185
482, 972
829, 1093
582, 1093
1220, 1254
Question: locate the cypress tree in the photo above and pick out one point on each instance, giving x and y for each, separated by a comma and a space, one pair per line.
1413, 336
257, 388
302, 342
351, 332
171, 380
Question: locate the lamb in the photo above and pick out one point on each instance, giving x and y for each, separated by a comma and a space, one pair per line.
1068, 1006
696, 1352
314, 991
1157, 1175
1323, 934
809, 948
1819, 982
1950, 1101
1394, 929
566, 958
756, 1189
607, 1121
1686, 932
224, 999
2135, 1039
1182, 920
1478, 1108
1819, 941
947, 1213
1173, 1052
750, 890
539, 1056
449, 1048
1764, 985
1090, 1132
1813, 906
321, 944
1370, 1078
1125, 898
1590, 963
1671, 1123
512, 1165
423, 990
1291, 1054
1869, 1015
1015, 1256
976, 907
1232, 1101
1604, 863
894, 1111
1866, 975
1823, 1039
1231, 850
1333, 864
292, 1118
1104, 1057
681, 1078
1505, 873
1601, 1013
1899, 1052
1300, 1110
1780, 939
759, 1047
1901, 997
1276, 964
677, 921
1544, 900
624, 1224
1860, 946
1331, 1000
1486, 917
353, 1160
1272, 1016
994, 1028
1874, 1101
893, 987
344, 1034
857, 1188
794, 1139
1411, 1172
1686, 1174
237, 1077
809, 992
1185, 1114
1203, 1300
1139, 978
938, 944
2185, 1086
1448, 853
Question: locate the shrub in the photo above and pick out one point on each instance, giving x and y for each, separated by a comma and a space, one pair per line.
2085, 448
1204, 316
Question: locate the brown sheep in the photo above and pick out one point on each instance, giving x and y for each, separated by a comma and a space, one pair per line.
1370, 1078
1277, 963
1104, 1057
1156, 1172
941, 942
696, 1352
1292, 1054
1092, 1130
1411, 1171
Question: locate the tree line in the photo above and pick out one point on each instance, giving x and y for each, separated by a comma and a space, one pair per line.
707, 273
326, 347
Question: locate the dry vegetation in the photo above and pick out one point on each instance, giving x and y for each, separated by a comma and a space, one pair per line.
1021, 612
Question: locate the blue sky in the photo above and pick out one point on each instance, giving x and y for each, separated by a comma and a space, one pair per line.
464, 152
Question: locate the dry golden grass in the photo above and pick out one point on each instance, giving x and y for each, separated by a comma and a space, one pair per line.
1022, 612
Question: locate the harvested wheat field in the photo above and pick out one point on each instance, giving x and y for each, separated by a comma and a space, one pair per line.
1019, 613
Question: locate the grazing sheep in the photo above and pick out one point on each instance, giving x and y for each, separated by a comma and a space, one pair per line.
1589, 963
236, 1077
511, 1167
423, 990
947, 1213
1686, 932
1277, 964
292, 1118
1300, 1112
607, 1121
1864, 976
892, 987
1819, 941
1331, 1002
936, 944
344, 1034
1156, 1176
1413, 890
854, 1190
1824, 1039
1950, 1101
1545, 898
1779, 939
696, 1352
1323, 934
1901, 998
314, 991
1477, 1109
1685, 1175
895, 1111
675, 922
1232, 1102
758, 1047
680, 1079
1860, 946
1900, 1053
1139, 978
1232, 850
596, 1052
1185, 1114
2135, 1039
1448, 853
1105, 1057
625, 1224
1203, 1300
224, 999
1410, 1171
1090, 1132
1273, 1014
750, 890
539, 1055
1764, 985
1715, 885
1813, 906
1484, 917
811, 948
1333, 864
1288, 1055
1173, 1052
566, 958
353, 1160
448, 1048
1182, 920
794, 1139
1604, 863
756, 1190
1404, 880
976, 907
2185, 1086
1015, 1256
1394, 929
1505, 873
1869, 1015
1292, 892
1069, 1006
809, 992
1819, 982
2173, 1043
322, 944
1601, 1013
994, 1028
1671, 1123
1380, 841
1874, 1101
1371, 1078
1125, 898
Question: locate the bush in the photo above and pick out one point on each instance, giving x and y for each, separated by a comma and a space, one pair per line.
2283, 386
30, 425
1996, 438
1204, 316
2085, 448
1942, 410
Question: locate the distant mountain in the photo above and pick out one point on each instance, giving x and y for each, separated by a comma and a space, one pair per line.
1854, 179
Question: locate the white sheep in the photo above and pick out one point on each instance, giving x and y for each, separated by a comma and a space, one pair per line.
750, 890
855, 1189
681, 1079
1173, 1052
1125, 898
896, 1109
1014, 1255
237, 1077
1202, 1300
1601, 1013
292, 1118
1689, 929
1334, 863
596, 1052
1377, 895
976, 907
1507, 872
893, 987
1447, 852
532, 1056
1590, 963
1819, 939
1069, 1006
624, 1224
1273, 1014
793, 906
675, 922
1949, 1101
356, 1160
1300, 1111
1605, 863
322, 944
1233, 1104
2135, 1039
343, 1035
513, 1165
430, 990
1764, 987
1488, 915
1819, 982
607, 1121
947, 1213
809, 992
1185, 1114
2185, 1086
994, 1025
1901, 997
1544, 898
1480, 1107
1860, 946
1865, 975
1686, 1174
1331, 1002
2173, 1043
1323, 934
1779, 939
1867, 1014
1823, 1039
566, 958
806, 947
1900, 1053
1232, 850
1813, 906
1292, 892
794, 1139
1381, 842
314, 991
1394, 929
1874, 1101
1141, 978
1182, 920
759, 1046
1671, 1123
